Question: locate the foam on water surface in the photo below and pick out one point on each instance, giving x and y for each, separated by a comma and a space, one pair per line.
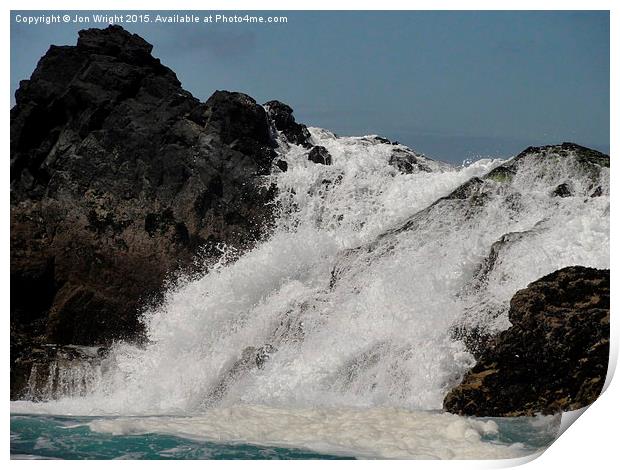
361, 433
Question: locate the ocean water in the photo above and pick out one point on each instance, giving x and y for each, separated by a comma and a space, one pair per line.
335, 335
280, 434
57, 437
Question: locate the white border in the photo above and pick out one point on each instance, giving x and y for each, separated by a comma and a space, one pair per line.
591, 442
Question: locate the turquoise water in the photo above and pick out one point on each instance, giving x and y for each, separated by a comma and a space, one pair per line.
57, 437
54, 437
532, 433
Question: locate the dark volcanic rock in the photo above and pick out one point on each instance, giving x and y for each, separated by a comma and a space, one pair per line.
585, 155
48, 371
383, 140
118, 178
282, 165
563, 190
554, 356
320, 154
242, 124
589, 160
283, 120
406, 162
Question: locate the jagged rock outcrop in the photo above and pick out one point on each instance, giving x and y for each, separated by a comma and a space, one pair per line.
407, 162
563, 190
589, 160
50, 371
320, 155
120, 177
554, 356
282, 117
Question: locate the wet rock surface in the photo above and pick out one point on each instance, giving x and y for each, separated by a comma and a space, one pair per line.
119, 177
282, 117
586, 156
320, 155
407, 162
554, 356
49, 371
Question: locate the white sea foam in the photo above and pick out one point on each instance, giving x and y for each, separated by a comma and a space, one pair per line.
369, 433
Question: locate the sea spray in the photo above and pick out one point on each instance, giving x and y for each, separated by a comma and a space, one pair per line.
354, 298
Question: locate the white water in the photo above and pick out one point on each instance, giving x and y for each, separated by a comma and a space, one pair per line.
380, 335
371, 433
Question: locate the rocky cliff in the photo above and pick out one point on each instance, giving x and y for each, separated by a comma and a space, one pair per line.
120, 177
554, 356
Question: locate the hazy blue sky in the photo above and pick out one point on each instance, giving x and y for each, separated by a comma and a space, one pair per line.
450, 84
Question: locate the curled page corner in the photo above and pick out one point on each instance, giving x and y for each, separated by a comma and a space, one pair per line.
568, 418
